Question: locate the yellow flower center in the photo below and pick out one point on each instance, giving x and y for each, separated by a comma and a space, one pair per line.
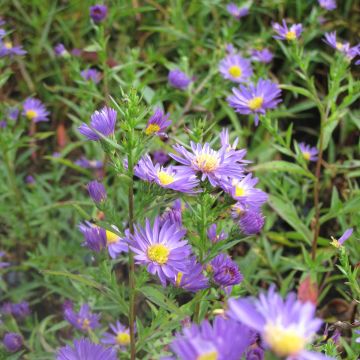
235, 71
284, 342
239, 191
85, 324
179, 276
237, 209
290, 35
306, 155
158, 253
335, 243
152, 128
339, 45
206, 162
209, 268
165, 178
31, 114
256, 103
123, 338
212, 355
111, 237
8, 44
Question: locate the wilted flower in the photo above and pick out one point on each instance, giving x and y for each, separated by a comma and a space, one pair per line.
235, 68
120, 336
161, 249
84, 349
84, 320
213, 236
284, 33
178, 79
96, 191
251, 222
60, 49
286, 326
343, 238
328, 4
7, 48
237, 12
102, 121
265, 55
35, 110
309, 153
160, 157
91, 74
12, 342
255, 99
157, 123
98, 12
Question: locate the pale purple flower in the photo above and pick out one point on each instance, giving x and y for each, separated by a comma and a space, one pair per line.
91, 75
236, 11
357, 340
309, 153
251, 221
97, 191
7, 48
102, 122
2, 263
84, 320
230, 49
2, 32
173, 214
98, 12
13, 113
178, 79
342, 239
35, 110
255, 99
235, 68
161, 248
264, 56
84, 349
345, 48
225, 140
214, 236
285, 326
12, 342
160, 157
120, 336
3, 124
328, 4
60, 49
157, 123
89, 164
285, 33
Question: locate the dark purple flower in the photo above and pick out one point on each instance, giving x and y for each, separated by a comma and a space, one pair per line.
35, 110
12, 342
91, 75
60, 49
96, 191
213, 236
160, 157
284, 33
157, 123
251, 222
13, 113
84, 320
237, 12
8, 49
328, 4
265, 55
21, 310
178, 79
98, 12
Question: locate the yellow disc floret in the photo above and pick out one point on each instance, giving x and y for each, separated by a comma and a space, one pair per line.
165, 178
31, 114
123, 338
8, 44
256, 103
152, 129
235, 71
111, 237
339, 45
85, 324
158, 253
179, 276
206, 162
306, 155
212, 355
239, 191
290, 35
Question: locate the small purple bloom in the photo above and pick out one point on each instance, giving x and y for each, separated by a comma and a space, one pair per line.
309, 153
91, 75
98, 12
213, 236
89, 164
160, 157
264, 56
8, 49
357, 340
235, 68
225, 140
102, 121
161, 248
343, 238
3, 124
157, 123
251, 222
35, 110
96, 191
12, 342
20, 310
328, 4
230, 49
178, 79
285, 33
345, 48
84, 320
84, 349
120, 336
255, 99
237, 12
30, 180
60, 49
13, 113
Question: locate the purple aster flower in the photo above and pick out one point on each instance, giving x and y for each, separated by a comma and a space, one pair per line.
20, 310
235, 68
3, 264
13, 113
213, 236
173, 214
84, 349
284, 33
157, 123
176, 178
102, 122
60, 49
160, 157
224, 340
230, 49
237, 210
30, 180
328, 4
178, 79
255, 99
309, 153
193, 279
357, 340
96, 191
98, 12
349, 52
264, 56
237, 12
35, 110
255, 353
89, 164
119, 338
91, 75
225, 141
251, 222
212, 164
161, 249
8, 49
343, 238
12, 342
3, 124
84, 320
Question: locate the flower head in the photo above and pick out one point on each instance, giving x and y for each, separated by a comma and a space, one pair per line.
120, 336
235, 68
35, 110
13, 113
237, 12
284, 33
328, 4
255, 99
344, 48
265, 55
96, 191
102, 121
89, 164
91, 75
84, 349
213, 236
60, 49
251, 221
309, 153
7, 48
84, 320
19, 310
157, 123
98, 12
178, 79
173, 214
12, 342
342, 239
286, 326
161, 248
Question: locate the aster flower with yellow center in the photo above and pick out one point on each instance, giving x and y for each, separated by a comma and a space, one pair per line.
7, 48
157, 123
309, 153
345, 48
84, 320
285, 33
235, 68
35, 110
338, 243
120, 336
286, 326
161, 248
